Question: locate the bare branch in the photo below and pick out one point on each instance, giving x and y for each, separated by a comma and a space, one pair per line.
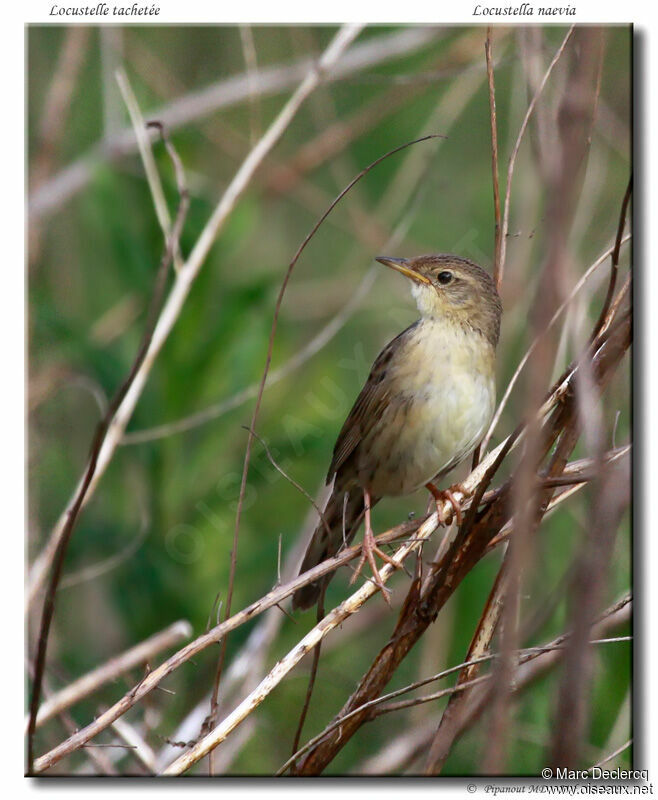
497, 268
290, 480
183, 283
103, 434
150, 168
197, 105
517, 145
268, 361
612, 755
286, 664
92, 681
342, 40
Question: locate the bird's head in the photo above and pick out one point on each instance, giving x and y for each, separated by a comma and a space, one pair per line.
452, 288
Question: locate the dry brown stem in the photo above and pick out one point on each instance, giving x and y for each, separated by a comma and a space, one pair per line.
497, 269
112, 669
380, 705
444, 735
182, 285
261, 388
101, 437
421, 609
517, 145
54, 193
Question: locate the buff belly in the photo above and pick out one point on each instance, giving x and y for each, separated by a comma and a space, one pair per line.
441, 402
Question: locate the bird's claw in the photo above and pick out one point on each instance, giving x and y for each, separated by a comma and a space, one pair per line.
368, 552
441, 496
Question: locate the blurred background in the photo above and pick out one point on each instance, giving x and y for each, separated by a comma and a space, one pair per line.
153, 546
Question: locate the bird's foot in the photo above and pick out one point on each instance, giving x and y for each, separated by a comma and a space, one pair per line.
368, 552
440, 497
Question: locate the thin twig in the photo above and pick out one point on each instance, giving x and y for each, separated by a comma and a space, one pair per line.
110, 671
565, 303
525, 654
185, 278
497, 268
268, 360
146, 153
517, 145
340, 42
100, 438
619, 750
290, 480
614, 260
224, 94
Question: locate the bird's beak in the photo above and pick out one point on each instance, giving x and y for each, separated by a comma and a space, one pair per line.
402, 265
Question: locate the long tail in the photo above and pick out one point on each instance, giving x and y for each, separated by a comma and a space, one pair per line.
341, 515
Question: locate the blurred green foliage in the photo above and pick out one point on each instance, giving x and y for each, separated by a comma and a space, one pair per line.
91, 271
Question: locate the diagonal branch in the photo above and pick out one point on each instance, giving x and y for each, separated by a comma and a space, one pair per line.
605, 352
103, 432
497, 268
261, 388
459, 560
517, 145
182, 285
110, 671
277, 595
224, 94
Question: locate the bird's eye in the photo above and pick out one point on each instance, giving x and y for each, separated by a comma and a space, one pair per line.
444, 277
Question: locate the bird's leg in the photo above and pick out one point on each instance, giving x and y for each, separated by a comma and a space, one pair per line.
369, 549
440, 496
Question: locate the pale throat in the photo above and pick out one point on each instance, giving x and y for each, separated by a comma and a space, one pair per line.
425, 297
460, 344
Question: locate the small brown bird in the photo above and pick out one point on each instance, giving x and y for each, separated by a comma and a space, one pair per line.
426, 405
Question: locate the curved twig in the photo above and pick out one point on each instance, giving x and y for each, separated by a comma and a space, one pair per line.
261, 388
100, 438
185, 278
515, 150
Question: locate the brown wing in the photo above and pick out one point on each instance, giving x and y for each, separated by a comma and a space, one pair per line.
368, 407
